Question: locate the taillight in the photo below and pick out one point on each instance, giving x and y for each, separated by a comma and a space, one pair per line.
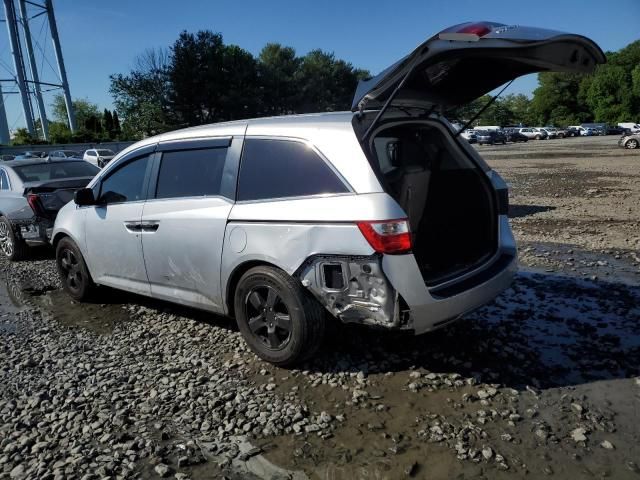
387, 236
36, 205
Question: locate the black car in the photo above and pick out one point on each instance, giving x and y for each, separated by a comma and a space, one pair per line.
31, 193
490, 137
515, 136
572, 132
615, 130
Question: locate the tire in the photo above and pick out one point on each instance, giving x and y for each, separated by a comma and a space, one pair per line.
631, 144
561, 136
72, 269
538, 137
278, 319
11, 247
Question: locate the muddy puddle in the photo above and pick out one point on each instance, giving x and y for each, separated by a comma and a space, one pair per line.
98, 318
55, 304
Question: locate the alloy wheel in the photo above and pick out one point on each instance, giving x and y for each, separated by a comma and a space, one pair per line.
631, 144
268, 317
6, 240
72, 271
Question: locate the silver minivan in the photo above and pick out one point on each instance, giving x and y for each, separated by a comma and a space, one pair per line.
379, 216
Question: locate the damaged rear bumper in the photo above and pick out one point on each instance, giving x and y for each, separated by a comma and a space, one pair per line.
389, 291
35, 232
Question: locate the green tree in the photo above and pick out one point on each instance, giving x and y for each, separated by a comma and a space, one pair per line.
22, 137
326, 84
277, 68
556, 101
143, 96
116, 125
83, 109
59, 132
107, 123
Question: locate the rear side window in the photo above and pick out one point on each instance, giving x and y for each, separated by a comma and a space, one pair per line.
281, 168
125, 184
191, 173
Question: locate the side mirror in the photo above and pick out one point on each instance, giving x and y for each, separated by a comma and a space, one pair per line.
83, 197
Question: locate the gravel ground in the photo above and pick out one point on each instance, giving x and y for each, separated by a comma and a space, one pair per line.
542, 383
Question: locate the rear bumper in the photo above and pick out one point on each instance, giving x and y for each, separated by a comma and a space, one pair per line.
432, 308
36, 232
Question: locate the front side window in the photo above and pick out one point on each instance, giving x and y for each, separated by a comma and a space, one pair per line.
4, 181
91, 153
125, 184
281, 168
191, 173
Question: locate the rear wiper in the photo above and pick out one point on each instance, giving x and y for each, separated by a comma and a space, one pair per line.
482, 110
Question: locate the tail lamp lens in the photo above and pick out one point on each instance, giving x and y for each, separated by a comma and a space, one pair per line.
34, 202
387, 236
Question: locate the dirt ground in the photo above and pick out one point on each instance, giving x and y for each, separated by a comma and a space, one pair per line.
542, 383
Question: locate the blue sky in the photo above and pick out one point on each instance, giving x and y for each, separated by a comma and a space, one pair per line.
103, 37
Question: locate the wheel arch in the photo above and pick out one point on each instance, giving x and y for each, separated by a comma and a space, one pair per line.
235, 277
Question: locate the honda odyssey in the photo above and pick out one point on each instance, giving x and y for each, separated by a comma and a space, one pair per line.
380, 216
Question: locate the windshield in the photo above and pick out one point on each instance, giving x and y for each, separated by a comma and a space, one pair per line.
55, 171
105, 152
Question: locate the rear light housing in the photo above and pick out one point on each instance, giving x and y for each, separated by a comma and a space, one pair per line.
36, 205
467, 32
392, 237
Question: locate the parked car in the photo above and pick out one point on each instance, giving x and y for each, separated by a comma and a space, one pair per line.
98, 156
31, 193
550, 131
630, 141
528, 132
490, 137
63, 154
632, 126
587, 132
616, 130
26, 156
470, 136
36, 153
572, 132
513, 135
374, 215
7, 157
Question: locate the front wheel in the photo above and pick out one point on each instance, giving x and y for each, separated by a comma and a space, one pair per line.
633, 143
73, 272
538, 137
278, 319
11, 246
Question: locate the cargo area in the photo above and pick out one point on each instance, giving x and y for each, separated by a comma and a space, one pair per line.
447, 197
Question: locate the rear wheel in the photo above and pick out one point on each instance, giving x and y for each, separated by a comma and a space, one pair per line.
538, 137
633, 143
278, 319
74, 275
12, 247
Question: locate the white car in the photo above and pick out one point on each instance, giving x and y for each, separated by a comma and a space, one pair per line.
634, 127
98, 156
532, 133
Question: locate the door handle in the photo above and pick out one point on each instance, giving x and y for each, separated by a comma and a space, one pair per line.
150, 226
133, 226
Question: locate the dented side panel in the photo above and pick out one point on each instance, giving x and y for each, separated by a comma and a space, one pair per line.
353, 289
287, 245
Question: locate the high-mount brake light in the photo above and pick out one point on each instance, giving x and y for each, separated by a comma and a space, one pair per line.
470, 32
387, 236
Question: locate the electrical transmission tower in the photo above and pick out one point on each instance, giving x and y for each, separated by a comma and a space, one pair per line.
30, 26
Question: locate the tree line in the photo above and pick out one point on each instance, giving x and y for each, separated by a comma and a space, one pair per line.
609, 95
200, 79
92, 125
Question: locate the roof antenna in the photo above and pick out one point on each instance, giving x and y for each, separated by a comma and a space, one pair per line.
482, 110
